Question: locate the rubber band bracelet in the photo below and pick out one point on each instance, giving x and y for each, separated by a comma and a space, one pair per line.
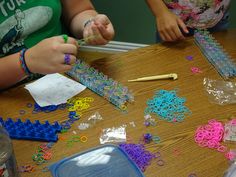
23, 63
87, 22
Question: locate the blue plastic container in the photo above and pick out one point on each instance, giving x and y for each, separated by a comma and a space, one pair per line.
103, 161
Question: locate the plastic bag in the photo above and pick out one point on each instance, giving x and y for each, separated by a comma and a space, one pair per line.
113, 135
230, 131
92, 120
220, 92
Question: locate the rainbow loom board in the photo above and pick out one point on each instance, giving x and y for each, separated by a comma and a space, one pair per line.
99, 83
215, 54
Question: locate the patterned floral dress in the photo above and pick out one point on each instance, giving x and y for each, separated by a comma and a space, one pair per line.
199, 13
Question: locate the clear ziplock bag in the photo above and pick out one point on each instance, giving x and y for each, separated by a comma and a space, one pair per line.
220, 92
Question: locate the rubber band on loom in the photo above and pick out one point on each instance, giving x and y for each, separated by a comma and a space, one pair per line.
215, 54
102, 85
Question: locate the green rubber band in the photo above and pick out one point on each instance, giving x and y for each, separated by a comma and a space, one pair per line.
65, 37
76, 139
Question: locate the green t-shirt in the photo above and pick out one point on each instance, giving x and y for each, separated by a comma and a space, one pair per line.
24, 23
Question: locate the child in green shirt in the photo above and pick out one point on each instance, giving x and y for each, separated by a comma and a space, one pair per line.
31, 40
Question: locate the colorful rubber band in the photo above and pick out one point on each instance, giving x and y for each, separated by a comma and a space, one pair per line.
83, 139
65, 37
87, 22
23, 63
67, 59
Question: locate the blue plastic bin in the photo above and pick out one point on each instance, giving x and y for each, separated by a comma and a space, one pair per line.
103, 161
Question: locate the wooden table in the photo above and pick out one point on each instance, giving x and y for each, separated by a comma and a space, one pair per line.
153, 60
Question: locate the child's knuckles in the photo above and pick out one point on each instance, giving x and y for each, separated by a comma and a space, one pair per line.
55, 47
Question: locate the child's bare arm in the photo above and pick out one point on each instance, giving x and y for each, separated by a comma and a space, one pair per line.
77, 12
47, 57
168, 24
10, 71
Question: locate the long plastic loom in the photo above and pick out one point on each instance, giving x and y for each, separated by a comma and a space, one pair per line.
215, 53
99, 83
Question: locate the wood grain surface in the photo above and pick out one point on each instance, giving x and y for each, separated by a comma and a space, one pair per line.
175, 137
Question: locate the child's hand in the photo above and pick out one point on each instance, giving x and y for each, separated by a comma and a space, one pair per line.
48, 56
99, 31
169, 27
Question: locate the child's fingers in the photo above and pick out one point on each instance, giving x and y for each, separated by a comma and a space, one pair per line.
68, 48
103, 19
69, 61
106, 31
64, 68
167, 37
178, 33
162, 36
172, 34
98, 39
95, 36
182, 25
72, 41
88, 33
72, 60
69, 40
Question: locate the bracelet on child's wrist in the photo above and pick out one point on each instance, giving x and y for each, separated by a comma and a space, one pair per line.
87, 22
23, 63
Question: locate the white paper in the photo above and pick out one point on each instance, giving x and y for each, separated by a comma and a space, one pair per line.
54, 89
